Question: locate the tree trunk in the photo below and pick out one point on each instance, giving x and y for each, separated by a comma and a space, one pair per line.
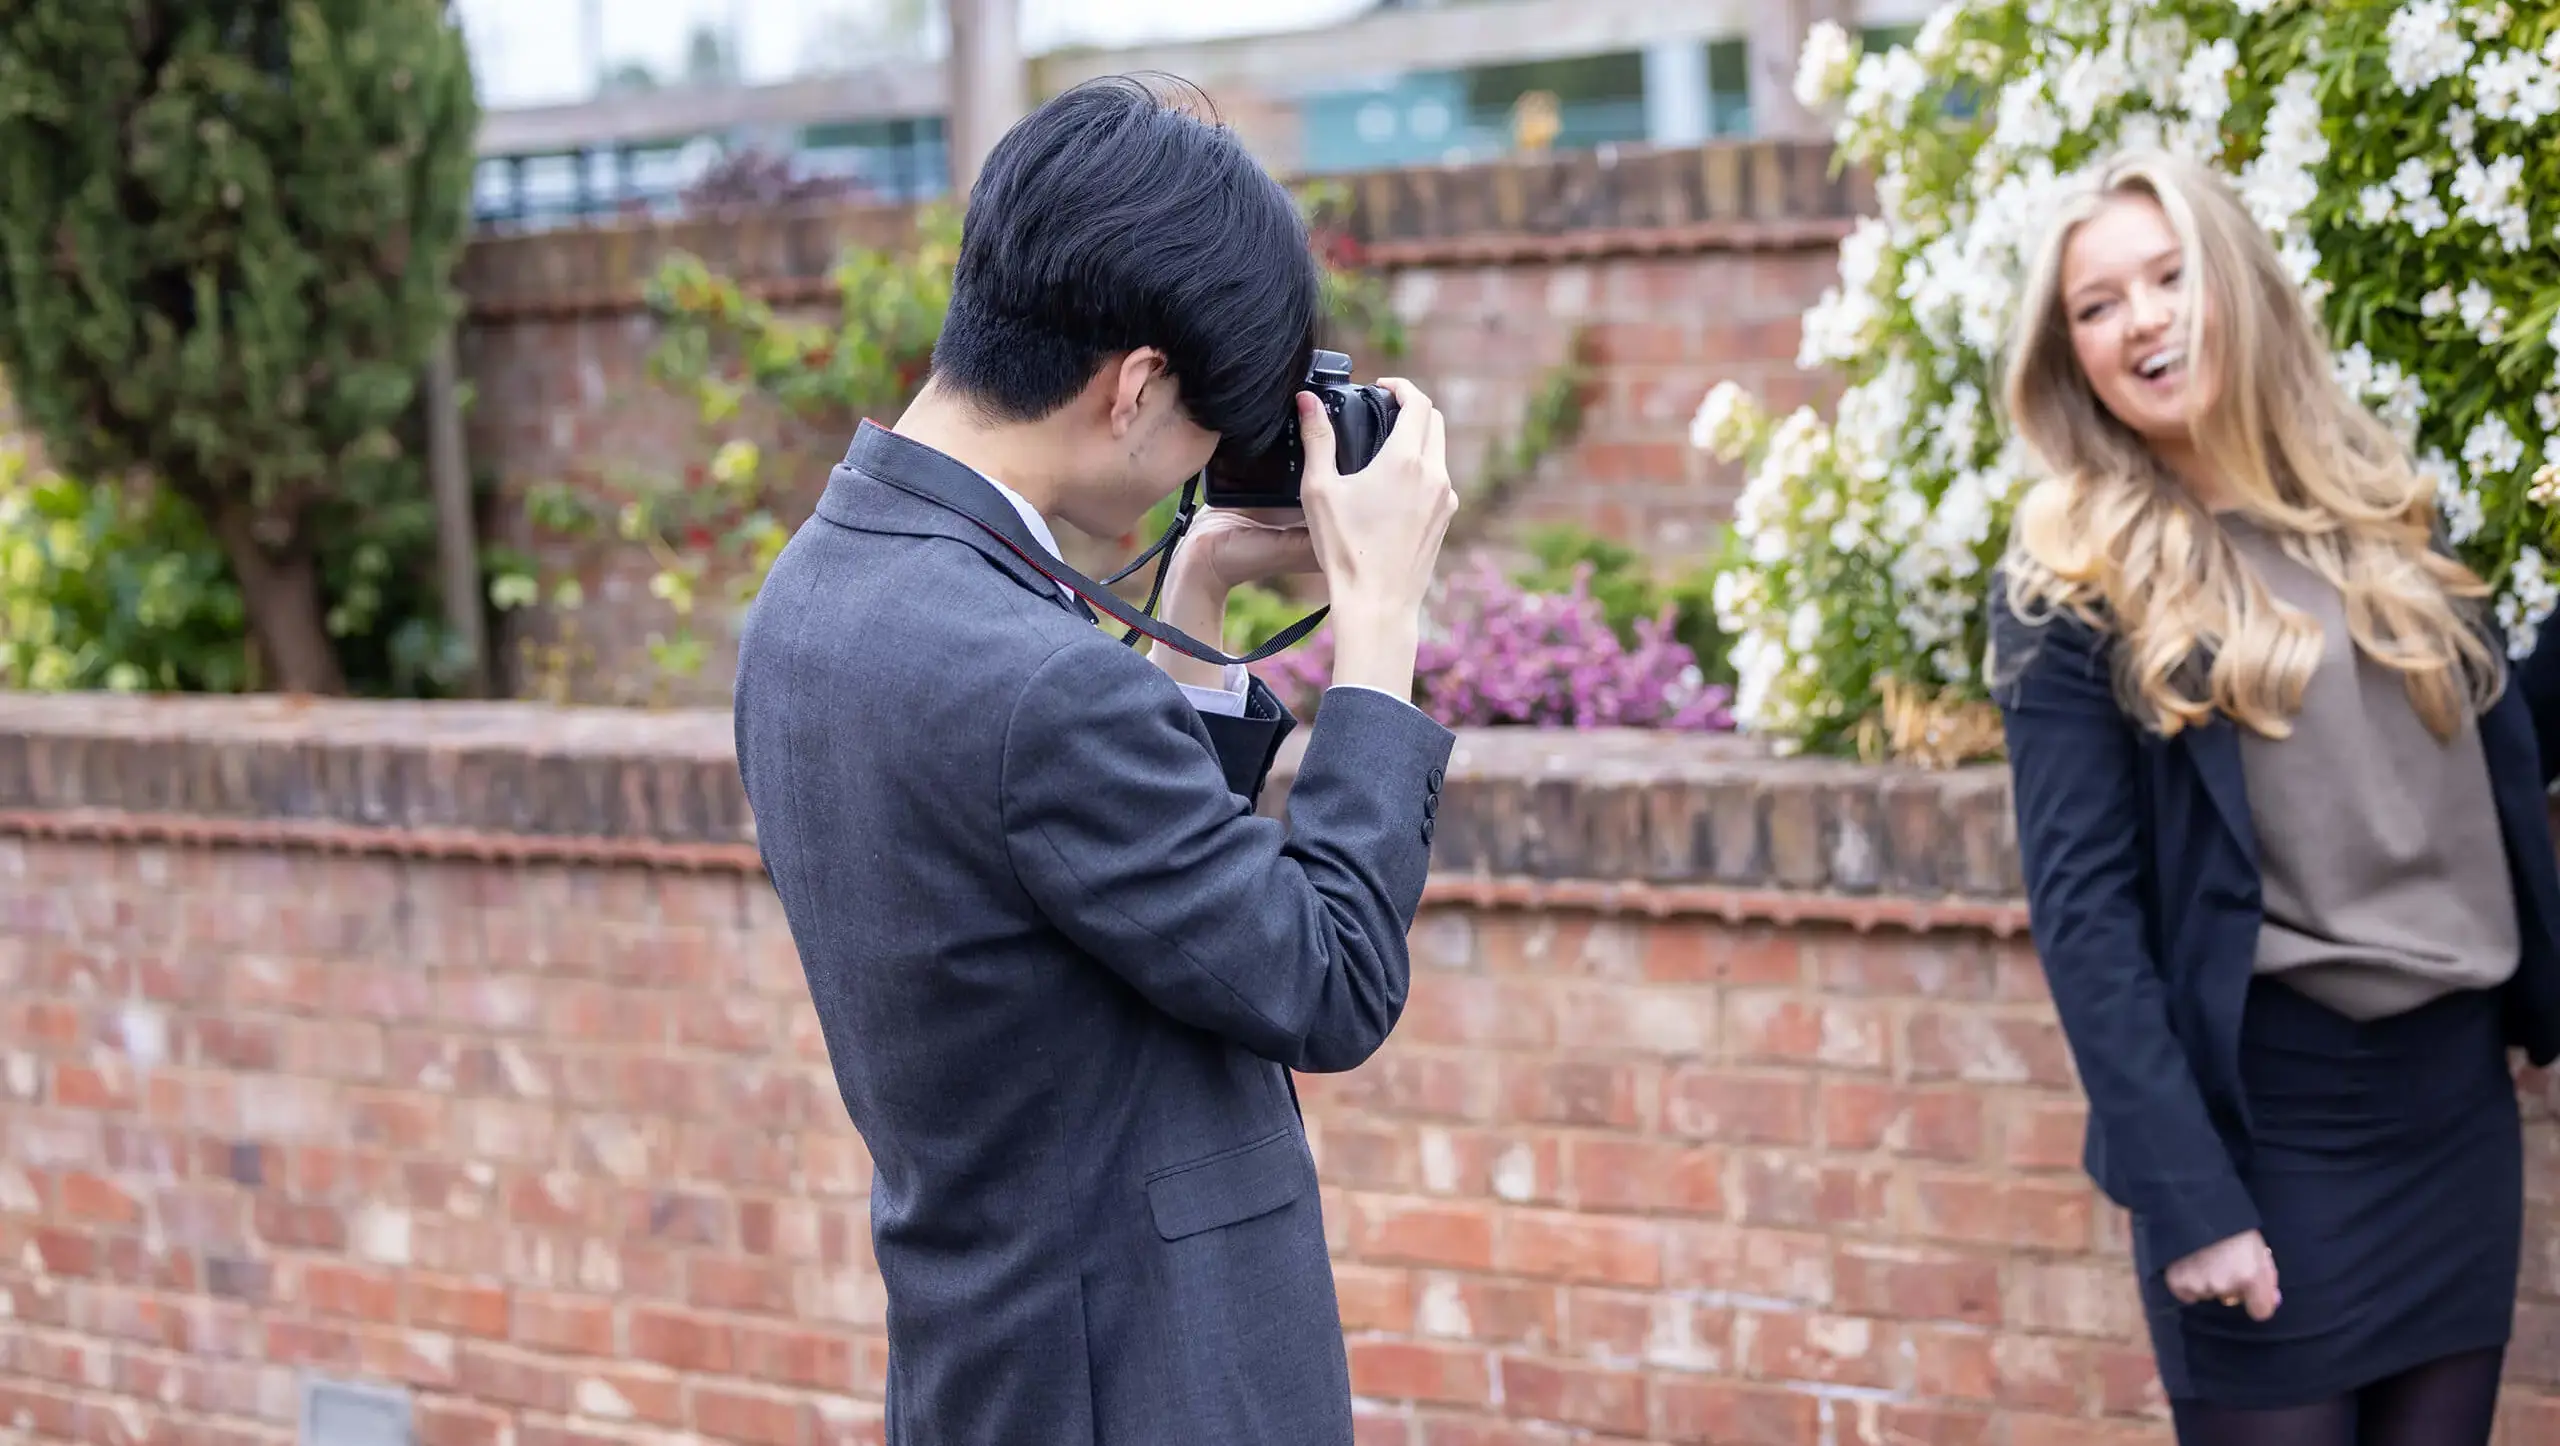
281, 592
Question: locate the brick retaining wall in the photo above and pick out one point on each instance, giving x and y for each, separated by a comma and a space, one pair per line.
1670, 270
414, 1045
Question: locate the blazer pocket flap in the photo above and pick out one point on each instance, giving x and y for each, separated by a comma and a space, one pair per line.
1229, 1187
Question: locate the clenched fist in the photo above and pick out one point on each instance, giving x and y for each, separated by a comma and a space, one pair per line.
2237, 1271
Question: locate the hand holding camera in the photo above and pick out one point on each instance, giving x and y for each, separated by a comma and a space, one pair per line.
1377, 536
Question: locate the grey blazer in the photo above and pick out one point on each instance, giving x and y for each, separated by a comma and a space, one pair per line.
1063, 971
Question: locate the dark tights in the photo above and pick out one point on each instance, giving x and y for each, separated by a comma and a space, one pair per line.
2447, 1402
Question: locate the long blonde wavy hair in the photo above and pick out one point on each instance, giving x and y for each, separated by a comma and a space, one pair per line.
2112, 536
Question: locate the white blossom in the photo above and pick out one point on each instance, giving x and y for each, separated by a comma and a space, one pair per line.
2028, 121
2492, 449
2204, 84
2527, 601
2419, 207
2156, 49
2489, 21
2373, 205
2460, 130
2277, 184
2093, 81
2546, 410
1725, 421
1824, 68
2459, 504
2425, 47
1883, 88
2514, 85
2482, 313
2489, 197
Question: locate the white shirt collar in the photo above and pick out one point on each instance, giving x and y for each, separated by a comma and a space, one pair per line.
1031, 517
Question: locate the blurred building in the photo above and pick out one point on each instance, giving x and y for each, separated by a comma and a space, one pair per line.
1399, 82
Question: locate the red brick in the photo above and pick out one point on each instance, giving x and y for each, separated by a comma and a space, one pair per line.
302, 1343
87, 1087
2044, 1134
1574, 1093
1363, 1158
296, 1225
1689, 951
1909, 1283
1586, 1249
1738, 1109
1415, 1232
498, 1373
463, 1307
603, 1014
1944, 1044
1800, 1193
1933, 1124
734, 1025
65, 1252
1373, 1298
1618, 1018
569, 1325
1496, 1311
2040, 1373
724, 1413
1604, 1400
87, 1197
1801, 1346
1407, 1371
1897, 1425
2129, 1381
350, 1291
1726, 1414
2025, 1213
794, 1356
733, 1284
1764, 1028
682, 1340
1471, 1011
1780, 1264
1413, 1085
1622, 1174
1951, 1364
1475, 1431
444, 1422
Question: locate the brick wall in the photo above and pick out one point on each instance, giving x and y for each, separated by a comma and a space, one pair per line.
1668, 271
414, 1046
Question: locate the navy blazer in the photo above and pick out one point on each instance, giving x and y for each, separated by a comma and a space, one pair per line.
2142, 882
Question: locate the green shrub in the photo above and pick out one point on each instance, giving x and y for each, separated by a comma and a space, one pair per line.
104, 587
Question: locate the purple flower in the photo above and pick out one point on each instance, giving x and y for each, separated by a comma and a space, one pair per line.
1496, 655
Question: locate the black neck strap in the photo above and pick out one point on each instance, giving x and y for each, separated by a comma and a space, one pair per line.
922, 472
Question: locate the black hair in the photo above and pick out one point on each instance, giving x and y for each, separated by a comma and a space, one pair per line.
1113, 218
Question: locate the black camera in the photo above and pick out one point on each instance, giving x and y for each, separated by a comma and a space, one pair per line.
1361, 415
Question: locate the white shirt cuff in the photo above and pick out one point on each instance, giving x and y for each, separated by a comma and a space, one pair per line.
1228, 699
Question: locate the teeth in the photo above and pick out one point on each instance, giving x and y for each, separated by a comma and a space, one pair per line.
2160, 361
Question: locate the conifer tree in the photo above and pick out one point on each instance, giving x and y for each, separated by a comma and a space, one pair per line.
227, 231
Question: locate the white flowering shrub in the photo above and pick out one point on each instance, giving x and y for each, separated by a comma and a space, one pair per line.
2404, 157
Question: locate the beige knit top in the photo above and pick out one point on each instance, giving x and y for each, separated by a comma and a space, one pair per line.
2385, 875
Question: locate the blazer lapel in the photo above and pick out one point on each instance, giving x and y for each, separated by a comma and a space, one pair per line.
2215, 748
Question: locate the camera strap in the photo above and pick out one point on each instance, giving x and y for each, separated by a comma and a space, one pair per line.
927, 474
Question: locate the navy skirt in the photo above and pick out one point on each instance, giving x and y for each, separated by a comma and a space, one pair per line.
2388, 1170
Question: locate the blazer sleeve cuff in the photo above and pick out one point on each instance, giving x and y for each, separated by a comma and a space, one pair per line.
2191, 1219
